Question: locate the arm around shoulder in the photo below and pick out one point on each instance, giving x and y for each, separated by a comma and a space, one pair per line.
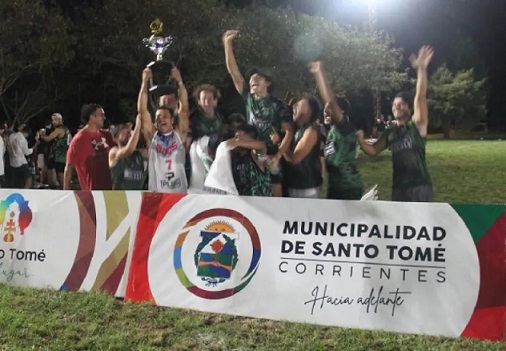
374, 149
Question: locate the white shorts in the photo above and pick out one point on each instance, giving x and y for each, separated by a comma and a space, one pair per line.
309, 193
41, 161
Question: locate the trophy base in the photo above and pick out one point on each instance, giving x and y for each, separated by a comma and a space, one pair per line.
163, 89
161, 66
161, 83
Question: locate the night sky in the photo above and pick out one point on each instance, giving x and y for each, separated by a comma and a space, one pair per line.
440, 23
445, 23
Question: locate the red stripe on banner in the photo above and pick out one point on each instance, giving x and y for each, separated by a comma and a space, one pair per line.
492, 255
487, 324
153, 209
87, 239
112, 282
489, 317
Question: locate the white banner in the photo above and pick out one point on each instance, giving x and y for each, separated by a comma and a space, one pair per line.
67, 240
369, 265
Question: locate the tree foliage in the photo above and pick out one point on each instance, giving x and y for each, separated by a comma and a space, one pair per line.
456, 99
100, 48
35, 43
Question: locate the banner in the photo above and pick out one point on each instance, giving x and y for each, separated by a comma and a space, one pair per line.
67, 240
487, 224
399, 267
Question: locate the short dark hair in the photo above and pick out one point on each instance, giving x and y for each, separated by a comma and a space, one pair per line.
26, 130
261, 71
18, 124
250, 130
87, 110
315, 107
407, 97
167, 108
343, 103
236, 118
205, 87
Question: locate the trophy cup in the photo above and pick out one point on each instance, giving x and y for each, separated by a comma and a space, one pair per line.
162, 82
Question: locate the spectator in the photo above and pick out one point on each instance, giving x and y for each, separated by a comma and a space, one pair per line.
88, 153
2, 154
60, 138
126, 161
18, 152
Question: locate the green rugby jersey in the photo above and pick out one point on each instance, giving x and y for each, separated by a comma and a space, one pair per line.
408, 156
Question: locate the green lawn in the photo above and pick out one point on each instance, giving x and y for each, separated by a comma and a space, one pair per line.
462, 171
48, 320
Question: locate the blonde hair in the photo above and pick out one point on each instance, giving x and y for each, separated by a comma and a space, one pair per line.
58, 116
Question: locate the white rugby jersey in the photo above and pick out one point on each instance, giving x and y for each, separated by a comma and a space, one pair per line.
166, 164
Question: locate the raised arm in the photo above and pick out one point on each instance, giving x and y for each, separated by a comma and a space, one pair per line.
371, 150
183, 112
325, 90
118, 153
230, 61
303, 147
421, 110
148, 129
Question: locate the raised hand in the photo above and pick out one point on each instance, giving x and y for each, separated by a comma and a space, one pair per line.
176, 74
360, 134
424, 57
146, 74
315, 67
229, 35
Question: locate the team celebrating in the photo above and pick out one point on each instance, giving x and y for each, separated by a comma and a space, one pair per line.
276, 149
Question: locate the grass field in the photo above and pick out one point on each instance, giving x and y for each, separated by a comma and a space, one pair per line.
462, 171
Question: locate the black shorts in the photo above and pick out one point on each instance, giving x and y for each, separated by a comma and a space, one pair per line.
350, 194
277, 178
59, 167
50, 163
420, 193
20, 175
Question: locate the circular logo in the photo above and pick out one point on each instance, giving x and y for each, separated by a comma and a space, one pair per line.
219, 242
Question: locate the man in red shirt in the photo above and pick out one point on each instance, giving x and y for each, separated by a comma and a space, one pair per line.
88, 153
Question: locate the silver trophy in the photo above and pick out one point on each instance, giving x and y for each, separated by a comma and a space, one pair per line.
162, 82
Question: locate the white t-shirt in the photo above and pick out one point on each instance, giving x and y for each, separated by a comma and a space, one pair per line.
220, 175
18, 149
2, 153
200, 163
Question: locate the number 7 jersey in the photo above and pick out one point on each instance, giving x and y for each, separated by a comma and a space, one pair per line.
166, 164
